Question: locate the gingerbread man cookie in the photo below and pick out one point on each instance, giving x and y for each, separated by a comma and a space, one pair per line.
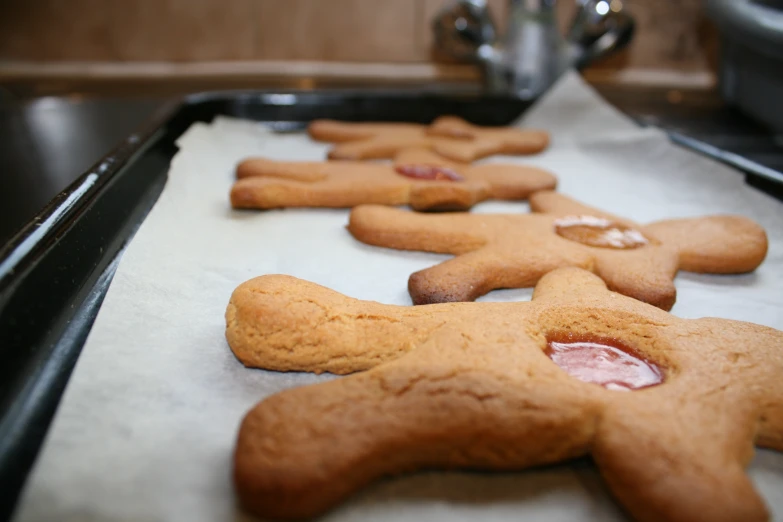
418, 177
515, 251
668, 408
449, 136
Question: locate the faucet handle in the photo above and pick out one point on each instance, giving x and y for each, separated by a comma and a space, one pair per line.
599, 28
465, 30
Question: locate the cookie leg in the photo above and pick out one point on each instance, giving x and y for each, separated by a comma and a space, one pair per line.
297, 171
302, 451
465, 151
283, 323
679, 461
469, 276
513, 182
453, 196
403, 230
452, 127
380, 147
339, 131
268, 193
642, 274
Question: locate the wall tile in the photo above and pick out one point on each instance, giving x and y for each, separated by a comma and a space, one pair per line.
672, 34
336, 30
54, 30
183, 30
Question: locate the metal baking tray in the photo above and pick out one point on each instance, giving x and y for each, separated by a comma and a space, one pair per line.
56, 271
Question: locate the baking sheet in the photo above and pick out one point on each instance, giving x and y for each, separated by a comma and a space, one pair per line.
147, 424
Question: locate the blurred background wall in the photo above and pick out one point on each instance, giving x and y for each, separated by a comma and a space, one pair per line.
672, 35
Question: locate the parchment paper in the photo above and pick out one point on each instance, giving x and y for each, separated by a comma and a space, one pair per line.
148, 421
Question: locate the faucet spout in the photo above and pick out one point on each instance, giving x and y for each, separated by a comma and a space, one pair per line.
532, 47
532, 53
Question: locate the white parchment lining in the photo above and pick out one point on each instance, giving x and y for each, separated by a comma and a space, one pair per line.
147, 425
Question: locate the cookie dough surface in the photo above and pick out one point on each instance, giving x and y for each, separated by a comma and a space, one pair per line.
468, 385
516, 250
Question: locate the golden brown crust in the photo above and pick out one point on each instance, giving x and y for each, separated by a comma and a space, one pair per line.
468, 385
743, 243
262, 319
266, 184
450, 137
515, 251
489, 140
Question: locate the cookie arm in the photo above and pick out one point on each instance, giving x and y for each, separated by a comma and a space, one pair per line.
771, 424
755, 353
715, 244
403, 230
671, 459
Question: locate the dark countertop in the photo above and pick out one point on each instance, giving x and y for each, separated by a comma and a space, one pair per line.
46, 143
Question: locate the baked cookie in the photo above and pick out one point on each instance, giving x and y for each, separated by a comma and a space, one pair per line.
418, 177
668, 408
449, 136
515, 251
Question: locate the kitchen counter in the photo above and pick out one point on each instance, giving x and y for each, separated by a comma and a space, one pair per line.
46, 143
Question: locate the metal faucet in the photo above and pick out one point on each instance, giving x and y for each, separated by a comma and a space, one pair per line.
532, 53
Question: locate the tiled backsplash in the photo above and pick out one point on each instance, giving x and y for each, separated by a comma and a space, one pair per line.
672, 34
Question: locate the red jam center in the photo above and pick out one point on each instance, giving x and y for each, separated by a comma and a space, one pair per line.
604, 362
429, 172
599, 232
